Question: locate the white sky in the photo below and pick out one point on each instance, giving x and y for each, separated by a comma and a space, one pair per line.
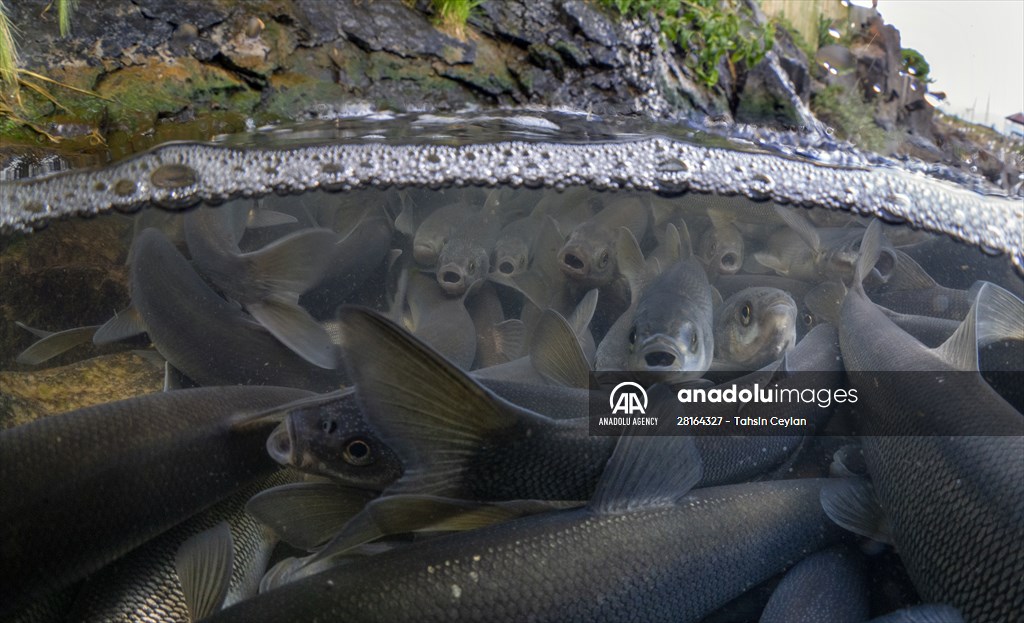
975, 49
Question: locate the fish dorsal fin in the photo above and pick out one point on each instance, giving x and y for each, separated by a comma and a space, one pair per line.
995, 315
556, 353
803, 227
52, 344
852, 505
908, 275
631, 262
125, 324
924, 613
204, 564
307, 514
716, 298
545, 252
580, 318
870, 250
646, 472
428, 410
294, 263
509, 338
296, 329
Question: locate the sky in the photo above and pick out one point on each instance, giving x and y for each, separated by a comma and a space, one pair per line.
975, 49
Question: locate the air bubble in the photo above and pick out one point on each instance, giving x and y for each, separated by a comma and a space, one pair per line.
173, 176
761, 186
124, 188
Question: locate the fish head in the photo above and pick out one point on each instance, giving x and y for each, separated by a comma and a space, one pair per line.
685, 347
461, 265
511, 256
756, 326
721, 249
588, 257
332, 439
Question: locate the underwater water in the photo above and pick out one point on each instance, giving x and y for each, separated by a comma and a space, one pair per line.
440, 401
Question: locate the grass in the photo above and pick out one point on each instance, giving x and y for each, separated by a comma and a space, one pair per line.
8, 50
452, 15
707, 31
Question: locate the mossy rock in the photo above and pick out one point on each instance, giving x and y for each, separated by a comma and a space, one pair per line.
26, 396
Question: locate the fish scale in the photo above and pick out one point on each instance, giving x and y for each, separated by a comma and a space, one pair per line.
82, 488
665, 564
143, 587
951, 493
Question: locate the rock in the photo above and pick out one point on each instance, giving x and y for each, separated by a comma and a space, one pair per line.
387, 25
767, 98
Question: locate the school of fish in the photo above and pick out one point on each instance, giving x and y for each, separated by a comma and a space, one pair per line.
381, 406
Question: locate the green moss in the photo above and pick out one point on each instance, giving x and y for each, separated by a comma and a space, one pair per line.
850, 117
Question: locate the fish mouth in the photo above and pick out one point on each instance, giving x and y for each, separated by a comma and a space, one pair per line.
279, 444
660, 353
452, 279
507, 266
574, 263
729, 264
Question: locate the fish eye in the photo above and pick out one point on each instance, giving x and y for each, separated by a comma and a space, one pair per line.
745, 315
808, 319
632, 336
472, 266
328, 426
603, 261
693, 342
522, 262
357, 452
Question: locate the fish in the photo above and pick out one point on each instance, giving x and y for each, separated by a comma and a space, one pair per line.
328, 436
755, 327
926, 613
210, 340
82, 488
678, 554
145, 586
465, 258
588, 256
672, 328
436, 229
721, 249
948, 485
514, 248
267, 282
827, 586
439, 320
805, 252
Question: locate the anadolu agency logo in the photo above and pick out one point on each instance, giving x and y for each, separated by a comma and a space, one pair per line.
628, 398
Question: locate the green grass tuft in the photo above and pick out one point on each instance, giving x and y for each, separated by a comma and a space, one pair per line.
454, 14
8, 50
64, 8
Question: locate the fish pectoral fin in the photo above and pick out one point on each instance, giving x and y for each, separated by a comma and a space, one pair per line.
924, 613
647, 472
996, 315
204, 564
556, 353
307, 514
851, 504
777, 264
510, 338
268, 218
434, 415
848, 462
123, 325
580, 318
39, 333
296, 329
245, 421
53, 344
